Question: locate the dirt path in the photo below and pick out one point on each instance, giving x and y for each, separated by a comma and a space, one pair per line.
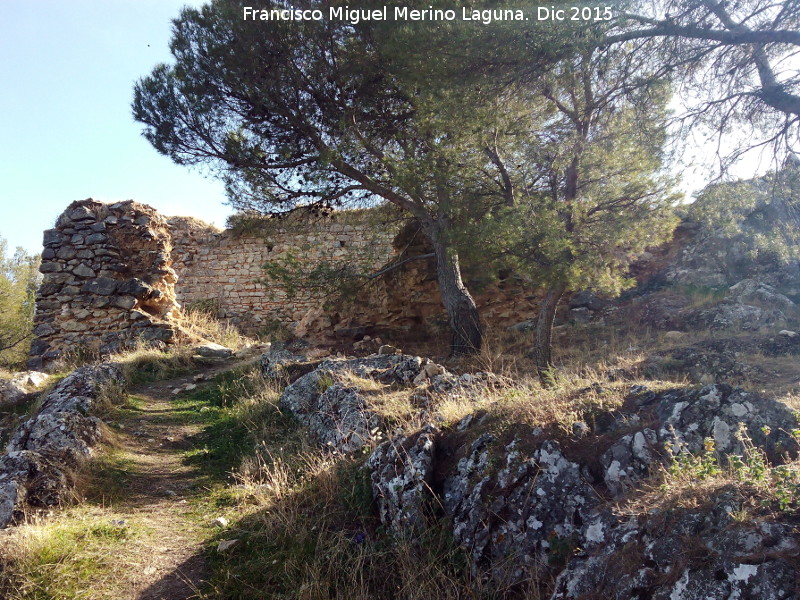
158, 487
159, 493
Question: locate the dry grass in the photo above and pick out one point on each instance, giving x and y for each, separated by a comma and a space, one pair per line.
307, 527
75, 556
304, 517
146, 363
309, 532
201, 323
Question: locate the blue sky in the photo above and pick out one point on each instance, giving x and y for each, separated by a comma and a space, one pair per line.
66, 133
67, 70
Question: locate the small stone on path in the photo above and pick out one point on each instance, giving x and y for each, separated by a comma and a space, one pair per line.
220, 522
226, 545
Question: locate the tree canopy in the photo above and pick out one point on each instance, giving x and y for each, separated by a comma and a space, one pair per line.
512, 124
18, 281
592, 192
736, 61
321, 113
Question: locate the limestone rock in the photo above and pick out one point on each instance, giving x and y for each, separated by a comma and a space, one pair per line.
401, 472
749, 291
274, 363
512, 517
334, 410
46, 448
524, 507
16, 389
588, 300
11, 392
29, 479
226, 545
658, 563
687, 417
737, 315
212, 350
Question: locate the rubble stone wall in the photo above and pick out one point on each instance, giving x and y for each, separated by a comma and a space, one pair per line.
107, 280
224, 269
114, 273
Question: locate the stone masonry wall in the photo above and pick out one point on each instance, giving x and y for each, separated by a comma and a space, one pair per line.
224, 269
107, 281
110, 273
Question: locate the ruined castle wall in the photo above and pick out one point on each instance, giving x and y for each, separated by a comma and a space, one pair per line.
224, 269
110, 273
107, 280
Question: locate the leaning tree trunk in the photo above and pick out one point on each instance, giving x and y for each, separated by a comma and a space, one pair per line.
461, 309
544, 334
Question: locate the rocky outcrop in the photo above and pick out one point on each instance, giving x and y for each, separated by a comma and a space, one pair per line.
734, 231
514, 509
749, 305
526, 504
107, 281
723, 358
672, 553
20, 386
45, 450
336, 412
401, 475
331, 399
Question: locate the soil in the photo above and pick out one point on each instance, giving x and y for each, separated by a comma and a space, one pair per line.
158, 492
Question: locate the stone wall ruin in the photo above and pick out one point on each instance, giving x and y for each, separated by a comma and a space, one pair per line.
224, 269
116, 273
107, 281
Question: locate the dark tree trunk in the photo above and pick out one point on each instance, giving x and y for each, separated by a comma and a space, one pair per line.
544, 334
461, 308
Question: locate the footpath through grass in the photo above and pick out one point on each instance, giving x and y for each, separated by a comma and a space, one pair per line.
217, 494
144, 524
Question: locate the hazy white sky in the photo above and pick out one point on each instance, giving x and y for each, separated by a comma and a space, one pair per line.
67, 69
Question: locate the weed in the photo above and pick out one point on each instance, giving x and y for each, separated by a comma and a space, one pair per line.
200, 320
778, 484
67, 557
325, 381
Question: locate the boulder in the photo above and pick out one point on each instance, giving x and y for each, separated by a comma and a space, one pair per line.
749, 291
46, 448
587, 299
275, 363
16, 389
336, 412
401, 474
530, 506
685, 553
11, 392
516, 510
212, 350
736, 315
29, 479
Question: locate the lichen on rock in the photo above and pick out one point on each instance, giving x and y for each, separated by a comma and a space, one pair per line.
47, 448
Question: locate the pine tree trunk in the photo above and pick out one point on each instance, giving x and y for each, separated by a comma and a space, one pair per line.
544, 334
461, 309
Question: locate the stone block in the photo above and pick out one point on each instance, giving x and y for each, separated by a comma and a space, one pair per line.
83, 271
102, 286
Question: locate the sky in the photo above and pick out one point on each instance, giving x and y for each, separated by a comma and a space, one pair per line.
67, 70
